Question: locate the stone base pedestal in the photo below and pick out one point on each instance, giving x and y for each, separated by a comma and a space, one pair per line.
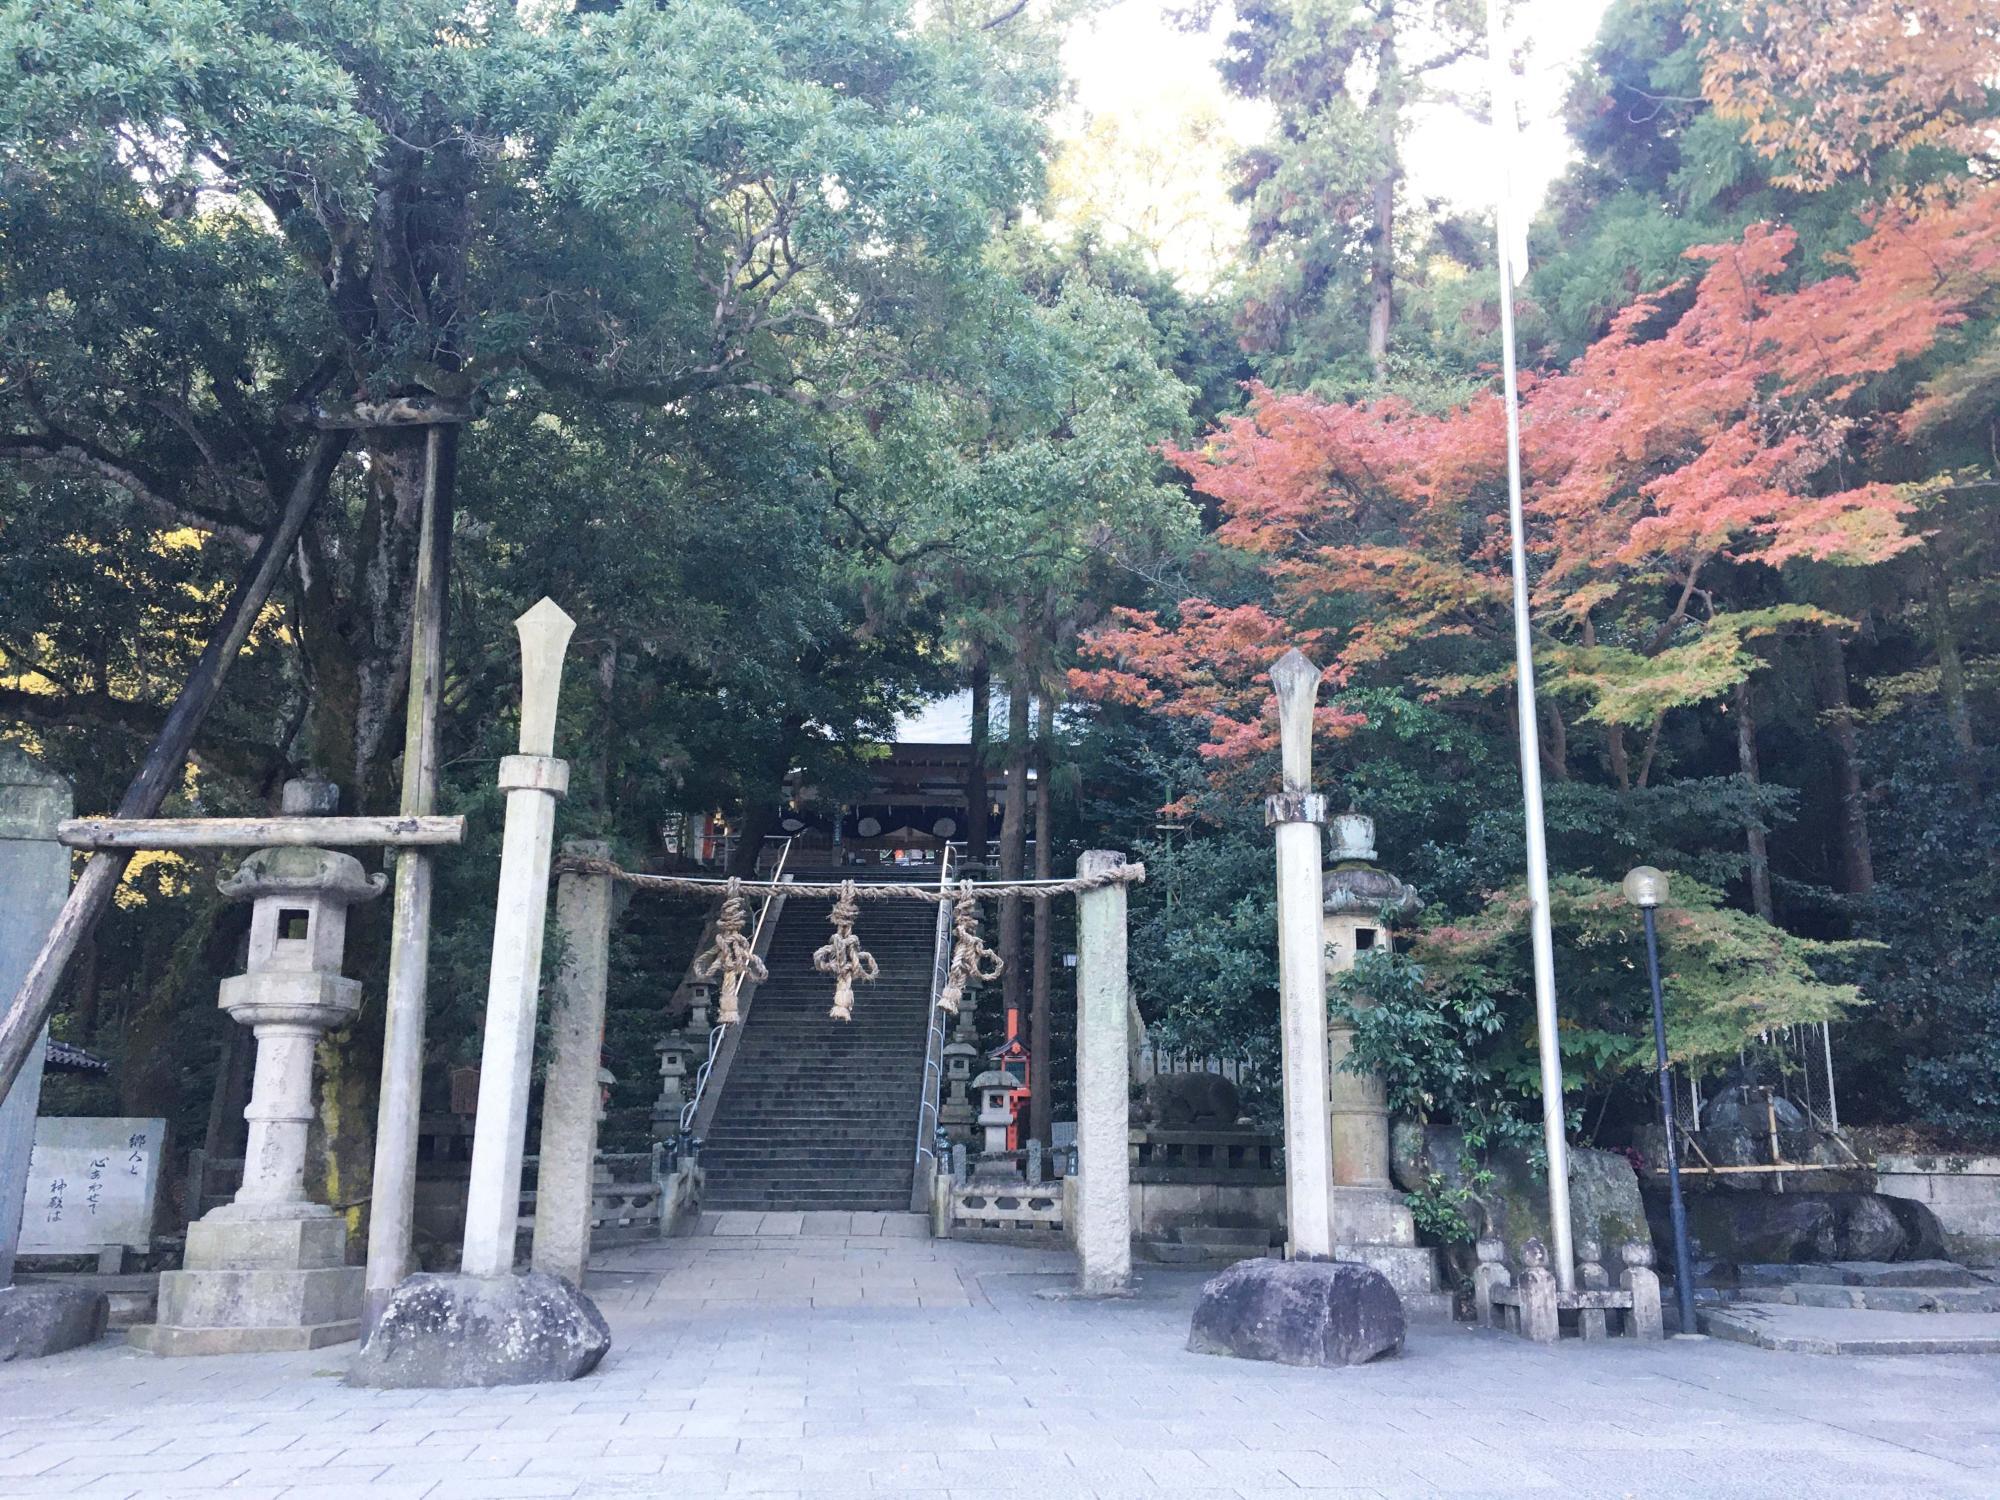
450, 1331
40, 1320
256, 1282
1374, 1226
1298, 1312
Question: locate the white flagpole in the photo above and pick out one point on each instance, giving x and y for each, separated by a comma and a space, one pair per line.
1542, 939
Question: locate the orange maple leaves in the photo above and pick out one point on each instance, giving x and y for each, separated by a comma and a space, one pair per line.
1823, 86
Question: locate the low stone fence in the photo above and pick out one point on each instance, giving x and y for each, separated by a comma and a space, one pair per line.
1205, 1179
1007, 1212
1962, 1191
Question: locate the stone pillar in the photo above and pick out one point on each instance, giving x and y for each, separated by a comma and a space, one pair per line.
1103, 1085
487, 1326
34, 880
570, 1092
534, 781
269, 1270
1371, 1222
1296, 815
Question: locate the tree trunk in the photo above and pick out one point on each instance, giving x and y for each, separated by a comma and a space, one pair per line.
355, 618
1013, 833
1857, 863
1382, 245
761, 804
978, 800
1754, 836
227, 1128
1038, 1020
354, 626
1555, 744
607, 703
1951, 664
1614, 734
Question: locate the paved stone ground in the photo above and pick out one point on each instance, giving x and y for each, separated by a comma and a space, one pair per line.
866, 1362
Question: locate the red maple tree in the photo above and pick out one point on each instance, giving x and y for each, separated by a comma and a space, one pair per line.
1719, 421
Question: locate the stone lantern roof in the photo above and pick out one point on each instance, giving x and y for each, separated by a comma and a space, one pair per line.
1354, 886
293, 871
996, 1078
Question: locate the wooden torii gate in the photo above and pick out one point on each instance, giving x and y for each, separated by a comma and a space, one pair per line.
392, 1215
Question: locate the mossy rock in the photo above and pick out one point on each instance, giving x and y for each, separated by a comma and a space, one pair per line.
1604, 1199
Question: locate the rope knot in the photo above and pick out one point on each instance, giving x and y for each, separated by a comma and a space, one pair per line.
843, 956
971, 960
730, 958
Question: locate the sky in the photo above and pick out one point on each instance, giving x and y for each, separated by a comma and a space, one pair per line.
1129, 58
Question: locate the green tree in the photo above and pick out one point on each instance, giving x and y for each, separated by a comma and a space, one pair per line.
633, 243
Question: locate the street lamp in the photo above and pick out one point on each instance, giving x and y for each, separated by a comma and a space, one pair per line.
1646, 888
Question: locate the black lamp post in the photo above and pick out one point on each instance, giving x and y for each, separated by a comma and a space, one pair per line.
1646, 888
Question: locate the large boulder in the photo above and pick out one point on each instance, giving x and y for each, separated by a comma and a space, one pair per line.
40, 1320
1298, 1312
1513, 1200
1797, 1227
446, 1331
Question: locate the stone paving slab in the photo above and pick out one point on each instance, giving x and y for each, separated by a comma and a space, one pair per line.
832, 1362
1832, 1329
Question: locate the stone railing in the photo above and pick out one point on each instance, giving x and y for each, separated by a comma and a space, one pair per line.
1529, 1302
1233, 1156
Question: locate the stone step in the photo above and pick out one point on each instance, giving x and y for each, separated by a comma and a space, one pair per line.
1853, 1331
817, 1113
1867, 1273
1223, 1235
1169, 1252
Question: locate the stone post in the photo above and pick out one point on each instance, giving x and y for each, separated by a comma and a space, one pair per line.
34, 880
570, 1092
1296, 814
1103, 1085
1643, 1282
1537, 1289
534, 781
269, 1270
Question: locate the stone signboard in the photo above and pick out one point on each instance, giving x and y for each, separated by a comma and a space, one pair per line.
92, 1183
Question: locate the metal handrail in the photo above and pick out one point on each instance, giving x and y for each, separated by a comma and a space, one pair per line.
717, 1032
927, 1100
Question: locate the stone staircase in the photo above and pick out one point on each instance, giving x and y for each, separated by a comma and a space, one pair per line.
817, 1113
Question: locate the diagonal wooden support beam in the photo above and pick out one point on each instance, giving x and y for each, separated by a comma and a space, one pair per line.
21, 1026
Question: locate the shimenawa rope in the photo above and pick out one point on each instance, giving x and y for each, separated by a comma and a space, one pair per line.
700, 885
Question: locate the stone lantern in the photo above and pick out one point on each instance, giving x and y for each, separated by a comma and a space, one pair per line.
995, 1089
955, 1112
676, 1056
701, 999
269, 1270
1371, 1222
